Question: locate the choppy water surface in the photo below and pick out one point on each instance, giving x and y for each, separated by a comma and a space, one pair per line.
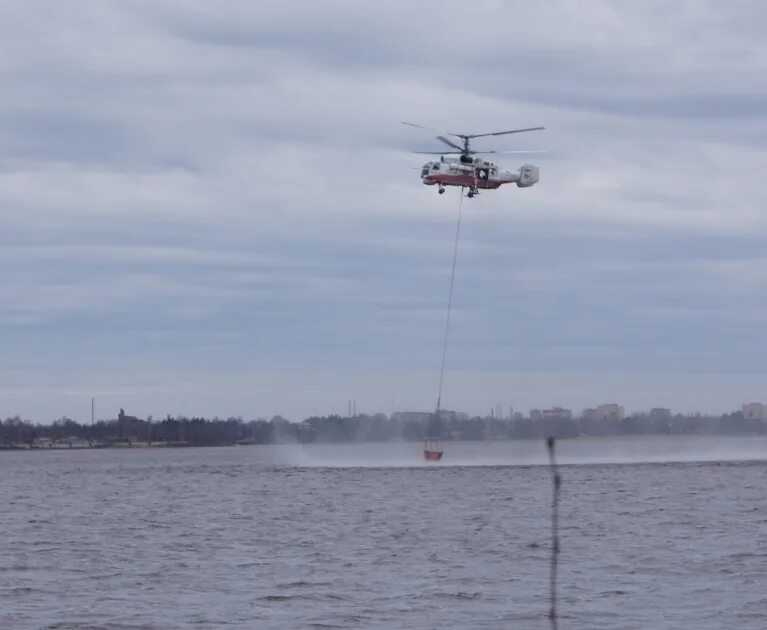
293, 537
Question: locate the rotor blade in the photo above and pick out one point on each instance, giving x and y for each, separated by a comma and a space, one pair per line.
438, 152
530, 151
450, 143
409, 124
503, 133
507, 152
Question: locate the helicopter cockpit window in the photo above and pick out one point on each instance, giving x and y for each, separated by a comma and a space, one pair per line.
435, 167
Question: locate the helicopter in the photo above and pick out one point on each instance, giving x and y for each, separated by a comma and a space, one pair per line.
468, 170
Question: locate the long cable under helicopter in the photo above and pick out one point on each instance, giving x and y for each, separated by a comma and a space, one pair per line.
450, 301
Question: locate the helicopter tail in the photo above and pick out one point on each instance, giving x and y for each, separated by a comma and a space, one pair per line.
528, 175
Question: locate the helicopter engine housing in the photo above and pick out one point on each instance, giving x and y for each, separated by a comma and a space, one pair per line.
528, 175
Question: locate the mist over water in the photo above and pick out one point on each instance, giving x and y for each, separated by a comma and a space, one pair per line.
609, 450
656, 533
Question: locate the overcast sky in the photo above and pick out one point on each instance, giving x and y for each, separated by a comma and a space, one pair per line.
212, 208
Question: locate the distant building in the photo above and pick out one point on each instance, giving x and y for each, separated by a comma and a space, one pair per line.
558, 413
660, 413
122, 418
127, 426
610, 411
447, 415
535, 414
754, 411
411, 416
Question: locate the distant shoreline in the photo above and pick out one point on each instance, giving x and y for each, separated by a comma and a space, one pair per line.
128, 431
124, 446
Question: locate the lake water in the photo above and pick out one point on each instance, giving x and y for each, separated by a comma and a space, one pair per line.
655, 533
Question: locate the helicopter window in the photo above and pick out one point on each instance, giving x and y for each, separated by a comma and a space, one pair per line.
435, 167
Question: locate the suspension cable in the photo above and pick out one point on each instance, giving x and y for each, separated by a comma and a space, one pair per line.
450, 300
556, 479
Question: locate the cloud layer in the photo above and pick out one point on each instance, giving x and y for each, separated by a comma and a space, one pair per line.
213, 209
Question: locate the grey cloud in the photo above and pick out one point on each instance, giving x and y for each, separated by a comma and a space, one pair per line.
66, 137
224, 196
539, 59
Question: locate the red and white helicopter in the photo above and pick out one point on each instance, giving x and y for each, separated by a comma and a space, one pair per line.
469, 171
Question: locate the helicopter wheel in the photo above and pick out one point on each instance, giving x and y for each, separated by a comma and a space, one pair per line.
470, 194
441, 190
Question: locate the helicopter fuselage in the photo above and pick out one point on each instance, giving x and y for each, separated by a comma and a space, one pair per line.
475, 173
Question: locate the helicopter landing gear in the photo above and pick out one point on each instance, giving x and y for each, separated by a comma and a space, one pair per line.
441, 190
472, 192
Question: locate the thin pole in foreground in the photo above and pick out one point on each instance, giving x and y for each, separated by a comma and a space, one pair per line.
557, 481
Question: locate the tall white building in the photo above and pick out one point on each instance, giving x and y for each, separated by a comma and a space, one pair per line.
755, 411
610, 411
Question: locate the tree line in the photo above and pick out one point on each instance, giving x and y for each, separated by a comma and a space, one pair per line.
199, 431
